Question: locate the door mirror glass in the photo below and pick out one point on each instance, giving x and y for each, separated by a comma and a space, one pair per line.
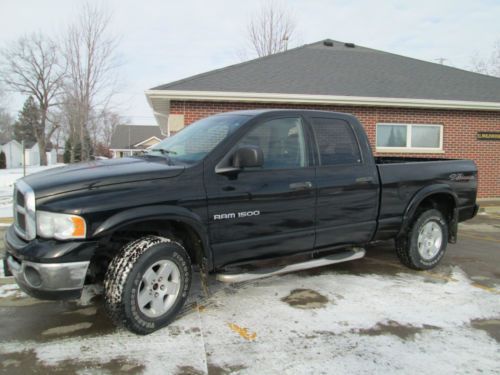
248, 157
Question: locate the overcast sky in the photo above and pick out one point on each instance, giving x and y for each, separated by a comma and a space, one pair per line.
165, 40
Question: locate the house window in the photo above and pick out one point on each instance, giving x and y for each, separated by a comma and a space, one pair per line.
409, 138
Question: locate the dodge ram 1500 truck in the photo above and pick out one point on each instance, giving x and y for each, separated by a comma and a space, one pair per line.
225, 194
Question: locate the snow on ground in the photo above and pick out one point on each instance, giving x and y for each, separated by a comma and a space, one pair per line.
7, 179
11, 290
359, 324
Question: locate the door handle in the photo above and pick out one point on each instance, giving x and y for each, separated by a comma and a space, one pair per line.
306, 185
364, 180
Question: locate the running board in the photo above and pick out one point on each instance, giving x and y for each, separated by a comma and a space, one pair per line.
355, 253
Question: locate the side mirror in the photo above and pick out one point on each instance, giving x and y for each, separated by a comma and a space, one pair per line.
243, 157
248, 157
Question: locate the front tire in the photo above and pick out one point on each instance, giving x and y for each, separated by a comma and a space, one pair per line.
424, 245
147, 284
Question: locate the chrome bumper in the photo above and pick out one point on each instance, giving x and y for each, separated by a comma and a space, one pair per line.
48, 277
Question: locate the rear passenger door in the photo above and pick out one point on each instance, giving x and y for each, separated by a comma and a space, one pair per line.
347, 185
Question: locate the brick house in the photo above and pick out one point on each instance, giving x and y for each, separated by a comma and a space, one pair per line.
408, 107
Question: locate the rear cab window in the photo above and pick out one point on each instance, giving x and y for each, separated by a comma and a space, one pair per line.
336, 142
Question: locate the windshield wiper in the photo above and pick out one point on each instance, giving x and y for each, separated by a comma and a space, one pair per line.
164, 151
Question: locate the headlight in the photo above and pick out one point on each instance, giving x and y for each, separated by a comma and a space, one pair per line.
60, 226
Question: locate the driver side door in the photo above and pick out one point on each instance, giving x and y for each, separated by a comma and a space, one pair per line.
266, 211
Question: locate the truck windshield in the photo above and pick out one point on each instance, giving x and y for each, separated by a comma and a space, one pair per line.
196, 140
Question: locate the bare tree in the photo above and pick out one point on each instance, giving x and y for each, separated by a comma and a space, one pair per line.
32, 66
6, 121
271, 29
6, 126
490, 65
110, 120
90, 52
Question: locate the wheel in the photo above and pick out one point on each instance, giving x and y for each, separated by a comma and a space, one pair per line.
425, 243
147, 284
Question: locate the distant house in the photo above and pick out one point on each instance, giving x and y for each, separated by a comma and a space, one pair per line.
11, 154
128, 140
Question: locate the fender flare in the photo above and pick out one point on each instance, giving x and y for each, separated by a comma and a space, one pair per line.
157, 212
420, 196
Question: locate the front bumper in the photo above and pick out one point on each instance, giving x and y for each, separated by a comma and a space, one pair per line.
48, 269
49, 280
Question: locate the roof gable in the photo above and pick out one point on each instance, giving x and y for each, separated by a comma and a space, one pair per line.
147, 143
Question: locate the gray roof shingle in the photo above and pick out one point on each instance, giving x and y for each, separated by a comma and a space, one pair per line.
126, 136
317, 69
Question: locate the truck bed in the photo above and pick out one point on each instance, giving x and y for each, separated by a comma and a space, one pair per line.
401, 178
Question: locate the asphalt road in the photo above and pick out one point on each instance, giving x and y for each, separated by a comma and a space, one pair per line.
368, 316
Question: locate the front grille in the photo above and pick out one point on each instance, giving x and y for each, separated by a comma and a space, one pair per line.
24, 210
21, 221
19, 212
19, 198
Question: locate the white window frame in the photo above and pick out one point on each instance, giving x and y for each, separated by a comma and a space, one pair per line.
409, 148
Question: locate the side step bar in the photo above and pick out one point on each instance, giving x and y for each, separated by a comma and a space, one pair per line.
355, 253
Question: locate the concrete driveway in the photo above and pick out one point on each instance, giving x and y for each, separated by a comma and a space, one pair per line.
368, 316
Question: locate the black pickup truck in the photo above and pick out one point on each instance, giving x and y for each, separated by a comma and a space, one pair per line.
224, 194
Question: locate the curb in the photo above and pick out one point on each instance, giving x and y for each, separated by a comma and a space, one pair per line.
491, 205
490, 209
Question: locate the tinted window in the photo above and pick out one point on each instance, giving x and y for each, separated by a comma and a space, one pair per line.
336, 142
282, 142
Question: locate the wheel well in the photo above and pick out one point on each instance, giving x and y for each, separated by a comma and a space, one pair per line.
442, 202
175, 230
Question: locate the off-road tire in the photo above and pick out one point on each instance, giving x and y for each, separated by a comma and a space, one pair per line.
124, 275
407, 244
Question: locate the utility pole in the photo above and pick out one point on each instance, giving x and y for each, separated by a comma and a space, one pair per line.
285, 39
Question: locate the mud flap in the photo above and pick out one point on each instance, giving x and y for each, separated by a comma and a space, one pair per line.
6, 269
204, 277
453, 229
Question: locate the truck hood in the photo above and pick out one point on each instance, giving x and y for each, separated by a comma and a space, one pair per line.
100, 173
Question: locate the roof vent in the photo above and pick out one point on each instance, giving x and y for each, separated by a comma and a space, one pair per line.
328, 42
349, 45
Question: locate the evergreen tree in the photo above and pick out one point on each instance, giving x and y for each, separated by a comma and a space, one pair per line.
27, 121
77, 149
67, 152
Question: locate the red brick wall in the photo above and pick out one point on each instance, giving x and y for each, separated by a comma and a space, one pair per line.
459, 130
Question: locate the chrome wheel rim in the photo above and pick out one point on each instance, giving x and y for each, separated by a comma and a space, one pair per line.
159, 288
430, 239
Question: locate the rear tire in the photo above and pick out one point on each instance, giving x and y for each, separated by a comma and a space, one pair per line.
147, 283
424, 244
